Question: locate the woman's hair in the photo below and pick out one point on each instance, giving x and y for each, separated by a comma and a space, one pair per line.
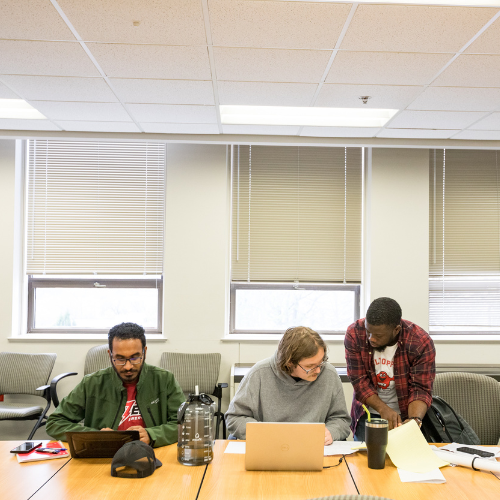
296, 344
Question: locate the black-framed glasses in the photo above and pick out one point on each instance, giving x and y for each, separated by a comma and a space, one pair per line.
316, 367
135, 360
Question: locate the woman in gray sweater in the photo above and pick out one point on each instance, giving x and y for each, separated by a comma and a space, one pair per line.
295, 385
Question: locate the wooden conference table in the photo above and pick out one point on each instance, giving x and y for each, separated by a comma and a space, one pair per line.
226, 478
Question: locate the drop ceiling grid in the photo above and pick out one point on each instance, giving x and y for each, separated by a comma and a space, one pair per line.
393, 65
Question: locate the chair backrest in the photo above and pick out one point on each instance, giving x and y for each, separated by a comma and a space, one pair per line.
96, 359
22, 373
193, 369
475, 397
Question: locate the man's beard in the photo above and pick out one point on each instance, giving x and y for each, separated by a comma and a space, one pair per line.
380, 349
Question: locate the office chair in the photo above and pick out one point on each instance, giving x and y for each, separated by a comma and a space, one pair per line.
96, 359
198, 369
28, 374
475, 397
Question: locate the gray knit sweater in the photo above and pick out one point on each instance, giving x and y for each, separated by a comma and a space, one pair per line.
267, 394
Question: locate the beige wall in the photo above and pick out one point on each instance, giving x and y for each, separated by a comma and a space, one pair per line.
197, 253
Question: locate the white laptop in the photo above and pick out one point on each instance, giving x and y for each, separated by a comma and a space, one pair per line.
284, 446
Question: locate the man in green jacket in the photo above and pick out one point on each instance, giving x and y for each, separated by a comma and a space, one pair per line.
130, 395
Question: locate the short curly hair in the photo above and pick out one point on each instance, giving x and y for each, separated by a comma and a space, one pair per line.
125, 331
384, 311
298, 343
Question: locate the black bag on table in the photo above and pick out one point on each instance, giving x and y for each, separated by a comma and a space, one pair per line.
442, 424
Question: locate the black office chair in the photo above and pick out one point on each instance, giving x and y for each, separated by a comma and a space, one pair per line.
28, 374
201, 370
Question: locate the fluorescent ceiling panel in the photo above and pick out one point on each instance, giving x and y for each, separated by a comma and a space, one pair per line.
18, 108
302, 116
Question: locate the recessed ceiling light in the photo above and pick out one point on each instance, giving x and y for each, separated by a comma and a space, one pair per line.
18, 108
302, 116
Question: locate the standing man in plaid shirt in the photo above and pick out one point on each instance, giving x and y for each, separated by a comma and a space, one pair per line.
391, 365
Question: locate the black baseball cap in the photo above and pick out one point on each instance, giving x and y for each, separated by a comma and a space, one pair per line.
134, 455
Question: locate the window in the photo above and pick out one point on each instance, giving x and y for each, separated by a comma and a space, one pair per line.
464, 267
296, 238
94, 235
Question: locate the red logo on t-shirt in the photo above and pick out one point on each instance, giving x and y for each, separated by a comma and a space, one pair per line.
383, 380
131, 416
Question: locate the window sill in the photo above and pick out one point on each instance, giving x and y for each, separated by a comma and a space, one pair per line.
465, 338
75, 337
271, 338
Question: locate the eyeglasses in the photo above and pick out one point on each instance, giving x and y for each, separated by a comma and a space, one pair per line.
316, 367
136, 360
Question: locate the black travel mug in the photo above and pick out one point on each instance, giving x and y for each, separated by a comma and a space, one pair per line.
376, 436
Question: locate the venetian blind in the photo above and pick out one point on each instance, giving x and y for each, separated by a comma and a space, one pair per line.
95, 207
296, 214
464, 286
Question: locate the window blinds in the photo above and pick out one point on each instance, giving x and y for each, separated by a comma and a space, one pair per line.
464, 288
296, 214
95, 207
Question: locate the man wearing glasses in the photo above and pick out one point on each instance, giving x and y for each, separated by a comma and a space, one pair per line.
295, 385
130, 395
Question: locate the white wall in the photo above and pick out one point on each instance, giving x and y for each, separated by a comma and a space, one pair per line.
197, 252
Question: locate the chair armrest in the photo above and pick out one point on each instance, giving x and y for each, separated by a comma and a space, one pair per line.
223, 385
218, 390
53, 386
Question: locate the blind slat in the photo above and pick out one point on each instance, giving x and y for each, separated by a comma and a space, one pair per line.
95, 207
296, 214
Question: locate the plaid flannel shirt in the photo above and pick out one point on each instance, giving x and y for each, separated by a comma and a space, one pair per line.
414, 367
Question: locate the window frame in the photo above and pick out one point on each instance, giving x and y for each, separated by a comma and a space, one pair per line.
35, 282
238, 285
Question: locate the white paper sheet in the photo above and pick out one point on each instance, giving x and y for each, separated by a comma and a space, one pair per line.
465, 460
236, 447
453, 447
434, 476
339, 448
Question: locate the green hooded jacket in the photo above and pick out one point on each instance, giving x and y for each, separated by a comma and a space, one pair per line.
99, 400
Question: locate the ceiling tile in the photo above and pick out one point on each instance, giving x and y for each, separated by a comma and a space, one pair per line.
6, 93
77, 126
382, 96
173, 114
266, 93
479, 135
254, 24
270, 65
385, 68
7, 124
152, 61
406, 133
488, 42
180, 128
457, 99
434, 119
172, 22
491, 122
404, 28
164, 91
339, 131
33, 20
60, 88
45, 58
471, 71
82, 111
260, 130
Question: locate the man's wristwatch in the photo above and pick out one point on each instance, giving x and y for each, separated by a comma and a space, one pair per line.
417, 419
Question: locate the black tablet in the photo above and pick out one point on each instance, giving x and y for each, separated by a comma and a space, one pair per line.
98, 444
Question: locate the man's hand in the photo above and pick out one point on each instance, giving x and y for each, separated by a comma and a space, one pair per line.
143, 433
106, 429
328, 437
392, 417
